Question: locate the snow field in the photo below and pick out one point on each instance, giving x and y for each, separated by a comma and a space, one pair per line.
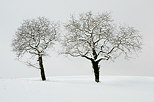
78, 89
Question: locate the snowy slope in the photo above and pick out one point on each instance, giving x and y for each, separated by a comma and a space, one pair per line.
78, 89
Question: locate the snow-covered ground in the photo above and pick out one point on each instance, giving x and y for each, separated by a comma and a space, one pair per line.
78, 89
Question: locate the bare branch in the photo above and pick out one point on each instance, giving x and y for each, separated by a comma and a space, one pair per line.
99, 38
86, 57
34, 36
31, 65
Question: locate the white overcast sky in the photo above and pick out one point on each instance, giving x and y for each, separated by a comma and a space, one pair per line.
136, 13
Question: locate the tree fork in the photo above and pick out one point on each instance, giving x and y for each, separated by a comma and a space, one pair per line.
42, 68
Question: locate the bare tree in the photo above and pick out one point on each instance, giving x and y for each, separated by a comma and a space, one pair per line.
33, 38
96, 38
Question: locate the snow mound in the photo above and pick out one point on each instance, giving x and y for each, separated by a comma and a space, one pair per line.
78, 89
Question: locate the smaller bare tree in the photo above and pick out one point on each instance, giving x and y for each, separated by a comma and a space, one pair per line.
96, 38
33, 38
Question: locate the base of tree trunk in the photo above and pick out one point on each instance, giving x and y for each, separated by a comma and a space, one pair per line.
97, 80
42, 68
96, 70
97, 77
43, 75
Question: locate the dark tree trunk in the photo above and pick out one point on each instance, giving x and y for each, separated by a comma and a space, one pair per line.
41, 68
96, 70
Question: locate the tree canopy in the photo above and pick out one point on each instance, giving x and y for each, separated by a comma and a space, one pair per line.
97, 37
35, 36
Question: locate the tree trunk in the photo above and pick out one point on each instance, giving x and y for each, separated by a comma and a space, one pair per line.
96, 70
42, 68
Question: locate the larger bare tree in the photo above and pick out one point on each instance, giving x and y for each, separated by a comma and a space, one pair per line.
96, 38
33, 38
